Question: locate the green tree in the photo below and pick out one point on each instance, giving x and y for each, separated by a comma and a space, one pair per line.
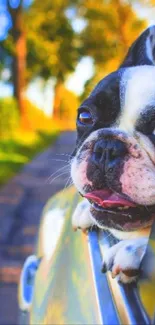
111, 28
54, 48
51, 42
15, 47
41, 42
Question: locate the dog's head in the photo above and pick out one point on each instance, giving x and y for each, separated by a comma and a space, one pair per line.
114, 162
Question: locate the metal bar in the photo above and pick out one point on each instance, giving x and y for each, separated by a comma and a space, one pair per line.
108, 313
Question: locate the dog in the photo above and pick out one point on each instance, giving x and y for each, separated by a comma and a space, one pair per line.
113, 166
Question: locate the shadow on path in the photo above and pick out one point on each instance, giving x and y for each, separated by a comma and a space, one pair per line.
21, 204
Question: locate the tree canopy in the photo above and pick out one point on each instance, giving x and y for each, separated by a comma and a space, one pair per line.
51, 40
42, 40
111, 28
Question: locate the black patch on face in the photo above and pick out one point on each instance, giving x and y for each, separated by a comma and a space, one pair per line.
103, 104
137, 54
146, 121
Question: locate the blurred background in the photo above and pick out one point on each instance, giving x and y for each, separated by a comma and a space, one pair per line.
52, 53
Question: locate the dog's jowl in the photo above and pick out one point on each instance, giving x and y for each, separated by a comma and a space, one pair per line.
114, 163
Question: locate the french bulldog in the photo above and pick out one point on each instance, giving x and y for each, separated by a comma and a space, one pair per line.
113, 166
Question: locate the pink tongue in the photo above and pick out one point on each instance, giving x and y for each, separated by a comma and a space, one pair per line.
106, 198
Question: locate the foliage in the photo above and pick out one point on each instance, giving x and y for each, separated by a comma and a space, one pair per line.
51, 49
46, 40
37, 118
68, 105
9, 116
14, 153
111, 28
51, 40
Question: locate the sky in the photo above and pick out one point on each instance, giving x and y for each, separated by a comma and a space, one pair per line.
41, 94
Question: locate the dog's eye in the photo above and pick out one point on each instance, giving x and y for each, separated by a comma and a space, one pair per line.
85, 117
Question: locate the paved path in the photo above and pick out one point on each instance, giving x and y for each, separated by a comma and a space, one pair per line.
21, 203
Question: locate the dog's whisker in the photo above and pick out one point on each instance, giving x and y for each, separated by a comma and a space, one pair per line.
109, 235
63, 154
83, 137
62, 160
64, 173
69, 182
57, 171
146, 207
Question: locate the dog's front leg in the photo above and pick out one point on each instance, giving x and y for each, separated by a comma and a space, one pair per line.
81, 218
124, 259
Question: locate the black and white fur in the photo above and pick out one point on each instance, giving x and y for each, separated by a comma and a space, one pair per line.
122, 108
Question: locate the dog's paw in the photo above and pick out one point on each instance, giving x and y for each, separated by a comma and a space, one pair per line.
81, 218
124, 259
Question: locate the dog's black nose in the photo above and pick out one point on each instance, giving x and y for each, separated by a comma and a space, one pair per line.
107, 153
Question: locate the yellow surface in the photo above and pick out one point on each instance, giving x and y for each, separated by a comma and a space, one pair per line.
64, 289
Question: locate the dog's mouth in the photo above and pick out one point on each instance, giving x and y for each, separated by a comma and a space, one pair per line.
108, 199
115, 211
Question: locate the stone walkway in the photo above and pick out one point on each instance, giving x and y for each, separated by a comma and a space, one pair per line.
21, 204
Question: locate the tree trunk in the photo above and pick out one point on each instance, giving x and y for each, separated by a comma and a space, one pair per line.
19, 63
58, 94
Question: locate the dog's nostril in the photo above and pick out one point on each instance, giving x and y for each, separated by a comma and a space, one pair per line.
113, 153
109, 169
99, 146
118, 150
98, 154
108, 152
98, 151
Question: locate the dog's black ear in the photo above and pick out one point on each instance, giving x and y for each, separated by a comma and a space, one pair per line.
142, 51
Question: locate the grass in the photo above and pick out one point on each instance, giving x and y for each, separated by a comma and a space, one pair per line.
20, 149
